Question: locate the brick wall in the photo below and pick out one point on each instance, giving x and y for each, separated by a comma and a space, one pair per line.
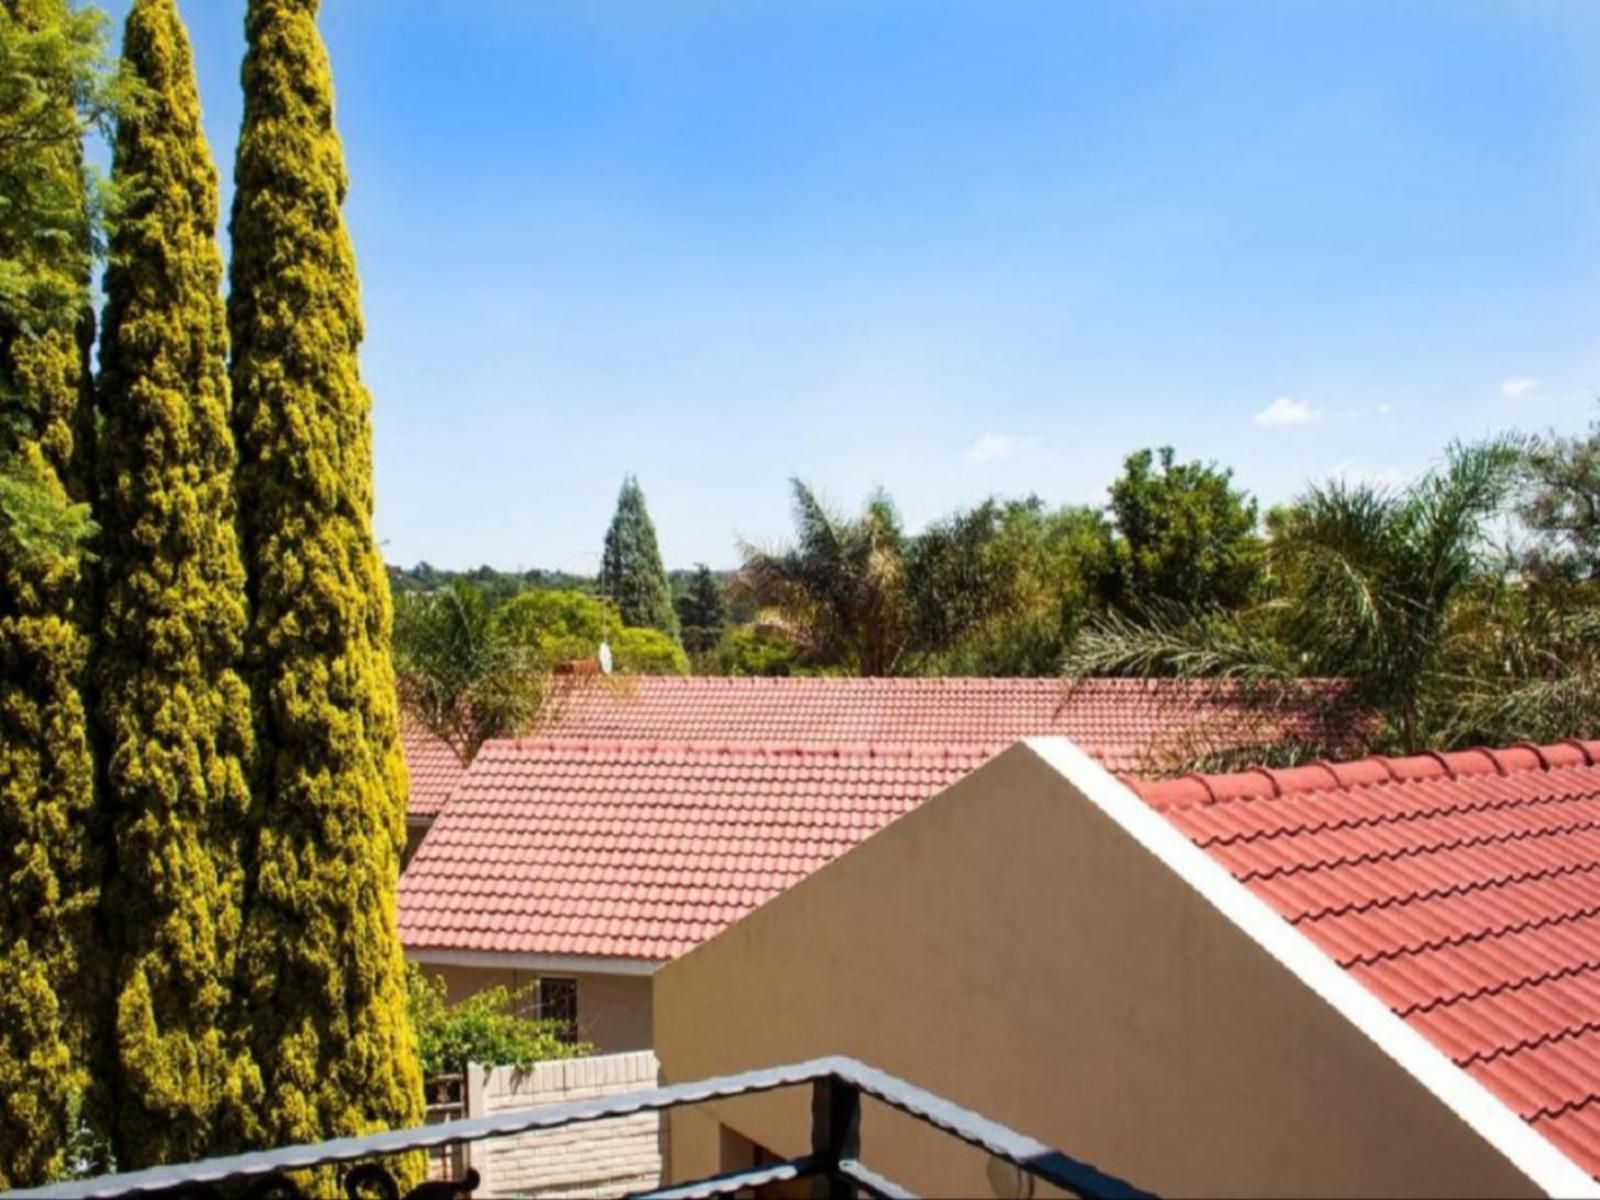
593, 1158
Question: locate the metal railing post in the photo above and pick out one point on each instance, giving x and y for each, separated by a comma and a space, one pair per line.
835, 1135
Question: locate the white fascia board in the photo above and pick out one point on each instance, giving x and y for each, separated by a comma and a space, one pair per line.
1483, 1111
549, 964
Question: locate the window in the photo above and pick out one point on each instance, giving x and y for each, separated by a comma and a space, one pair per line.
558, 1001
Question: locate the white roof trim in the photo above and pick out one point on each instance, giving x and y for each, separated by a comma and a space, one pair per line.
1481, 1109
550, 964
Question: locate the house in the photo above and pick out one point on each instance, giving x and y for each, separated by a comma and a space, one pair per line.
1377, 977
586, 865
536, 869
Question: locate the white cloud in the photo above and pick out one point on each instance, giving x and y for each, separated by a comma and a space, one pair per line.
1287, 411
994, 447
1385, 409
1517, 386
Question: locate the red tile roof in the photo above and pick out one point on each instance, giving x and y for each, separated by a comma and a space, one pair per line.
643, 849
435, 770
1462, 889
1128, 724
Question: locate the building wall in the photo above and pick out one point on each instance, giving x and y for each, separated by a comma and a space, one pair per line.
1011, 947
613, 1010
591, 1158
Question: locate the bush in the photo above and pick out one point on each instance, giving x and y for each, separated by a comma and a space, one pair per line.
488, 1027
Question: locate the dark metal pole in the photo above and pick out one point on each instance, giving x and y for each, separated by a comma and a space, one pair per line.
835, 1136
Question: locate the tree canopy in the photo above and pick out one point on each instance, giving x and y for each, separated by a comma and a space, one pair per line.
631, 573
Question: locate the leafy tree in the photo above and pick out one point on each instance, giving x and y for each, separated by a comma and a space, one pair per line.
490, 1027
1185, 534
175, 713
1561, 506
53, 84
1373, 585
702, 612
842, 586
462, 673
1002, 588
565, 626
630, 568
757, 650
321, 975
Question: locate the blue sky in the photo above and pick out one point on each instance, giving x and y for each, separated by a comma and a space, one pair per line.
952, 249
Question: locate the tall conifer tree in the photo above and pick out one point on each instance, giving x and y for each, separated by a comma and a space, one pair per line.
175, 712
321, 971
49, 868
631, 573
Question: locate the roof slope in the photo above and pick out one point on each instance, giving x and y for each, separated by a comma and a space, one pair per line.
434, 768
1128, 724
643, 850
1462, 889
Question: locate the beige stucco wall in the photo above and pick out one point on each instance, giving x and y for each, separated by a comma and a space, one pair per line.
613, 1010
1011, 947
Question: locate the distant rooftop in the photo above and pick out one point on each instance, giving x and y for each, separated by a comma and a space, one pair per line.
435, 770
1128, 724
1463, 889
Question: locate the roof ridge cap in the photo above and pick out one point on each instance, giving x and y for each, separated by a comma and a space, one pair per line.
652, 747
1224, 786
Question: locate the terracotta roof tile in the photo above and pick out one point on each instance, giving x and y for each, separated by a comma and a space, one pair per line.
1128, 724
1462, 889
434, 768
612, 848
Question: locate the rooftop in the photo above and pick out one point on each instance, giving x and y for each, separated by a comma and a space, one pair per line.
1128, 724
1462, 889
642, 849
435, 770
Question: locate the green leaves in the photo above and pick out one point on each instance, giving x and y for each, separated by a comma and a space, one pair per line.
492, 1027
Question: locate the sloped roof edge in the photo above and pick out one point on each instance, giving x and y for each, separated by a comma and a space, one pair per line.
1545, 1165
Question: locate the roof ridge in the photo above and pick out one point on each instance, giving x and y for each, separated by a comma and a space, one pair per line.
659, 747
1263, 783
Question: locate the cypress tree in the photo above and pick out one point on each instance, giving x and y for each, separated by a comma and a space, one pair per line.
631, 573
320, 966
49, 865
174, 711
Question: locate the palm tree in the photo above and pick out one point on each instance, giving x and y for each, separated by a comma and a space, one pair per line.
1370, 582
460, 674
842, 585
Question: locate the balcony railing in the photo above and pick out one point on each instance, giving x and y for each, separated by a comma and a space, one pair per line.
833, 1164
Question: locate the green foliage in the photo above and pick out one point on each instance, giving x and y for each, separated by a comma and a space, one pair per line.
1372, 587
842, 586
320, 969
757, 650
702, 611
568, 626
1002, 588
51, 957
1185, 534
1560, 504
489, 1027
464, 674
631, 573
174, 711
